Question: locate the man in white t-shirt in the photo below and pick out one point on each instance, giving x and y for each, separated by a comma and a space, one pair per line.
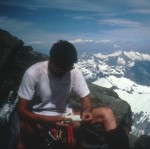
45, 88
43, 95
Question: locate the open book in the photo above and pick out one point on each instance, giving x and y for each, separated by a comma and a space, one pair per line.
69, 114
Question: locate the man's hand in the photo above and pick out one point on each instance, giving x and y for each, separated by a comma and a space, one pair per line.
61, 121
87, 116
61, 124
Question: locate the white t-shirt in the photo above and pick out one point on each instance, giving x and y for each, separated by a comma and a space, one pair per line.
48, 93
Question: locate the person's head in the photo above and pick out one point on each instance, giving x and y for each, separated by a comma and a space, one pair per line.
63, 55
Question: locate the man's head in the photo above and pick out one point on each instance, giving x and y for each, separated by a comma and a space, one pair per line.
63, 55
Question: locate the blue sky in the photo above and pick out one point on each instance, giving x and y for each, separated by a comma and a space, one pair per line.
91, 25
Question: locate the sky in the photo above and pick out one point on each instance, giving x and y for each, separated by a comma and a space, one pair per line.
91, 25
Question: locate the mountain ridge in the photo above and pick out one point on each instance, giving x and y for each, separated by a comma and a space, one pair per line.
132, 65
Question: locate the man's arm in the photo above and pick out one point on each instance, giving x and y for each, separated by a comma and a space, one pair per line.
86, 107
26, 114
86, 103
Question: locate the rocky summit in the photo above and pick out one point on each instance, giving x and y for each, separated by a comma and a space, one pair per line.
15, 58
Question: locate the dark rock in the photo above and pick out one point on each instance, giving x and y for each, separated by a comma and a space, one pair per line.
15, 58
143, 142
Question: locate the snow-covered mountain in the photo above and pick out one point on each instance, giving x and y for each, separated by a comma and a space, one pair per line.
132, 65
129, 75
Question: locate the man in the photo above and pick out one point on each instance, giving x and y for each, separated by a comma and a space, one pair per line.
43, 96
44, 91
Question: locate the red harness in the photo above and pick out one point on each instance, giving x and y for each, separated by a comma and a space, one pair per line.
70, 135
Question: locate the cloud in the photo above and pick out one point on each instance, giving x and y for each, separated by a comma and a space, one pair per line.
103, 41
14, 24
137, 34
81, 5
139, 3
81, 40
37, 42
141, 11
80, 18
96, 22
84, 5
120, 22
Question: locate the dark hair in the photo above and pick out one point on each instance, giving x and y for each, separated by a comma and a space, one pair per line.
64, 53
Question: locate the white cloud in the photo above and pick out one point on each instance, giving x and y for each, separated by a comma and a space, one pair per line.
83, 18
78, 5
37, 42
130, 31
81, 40
139, 3
120, 22
133, 34
81, 5
14, 25
103, 41
141, 11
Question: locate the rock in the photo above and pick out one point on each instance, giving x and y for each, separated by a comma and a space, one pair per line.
108, 98
143, 142
15, 58
104, 97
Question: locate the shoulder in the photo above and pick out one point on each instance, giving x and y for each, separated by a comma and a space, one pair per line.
76, 74
76, 70
40, 66
37, 69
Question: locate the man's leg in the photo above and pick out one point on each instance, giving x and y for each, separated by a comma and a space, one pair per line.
27, 137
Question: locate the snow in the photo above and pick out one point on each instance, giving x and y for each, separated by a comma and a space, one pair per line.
137, 96
101, 56
121, 61
137, 56
132, 55
6, 110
